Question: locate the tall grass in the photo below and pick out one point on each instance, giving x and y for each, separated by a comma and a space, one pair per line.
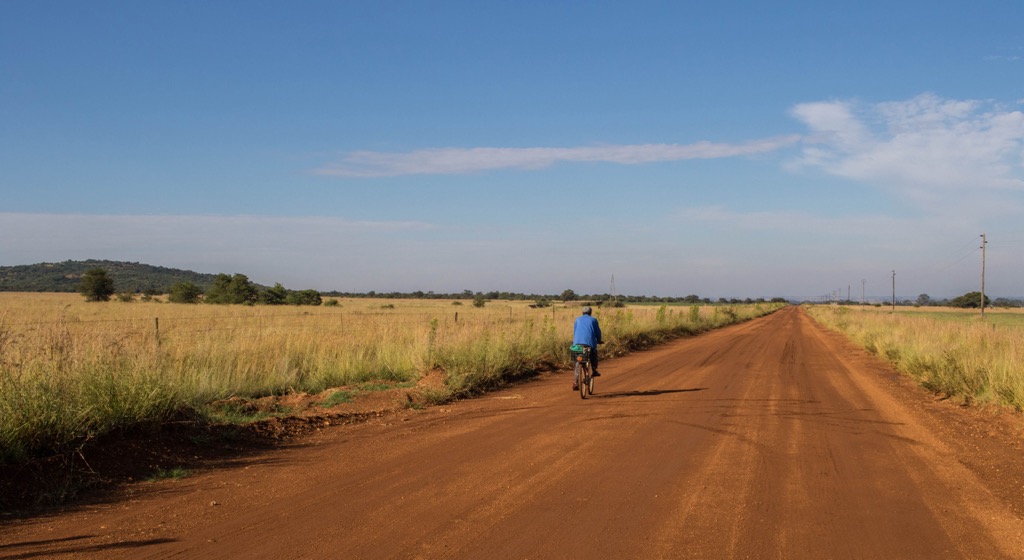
71, 371
953, 353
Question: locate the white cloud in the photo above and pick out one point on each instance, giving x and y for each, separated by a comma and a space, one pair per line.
925, 146
468, 160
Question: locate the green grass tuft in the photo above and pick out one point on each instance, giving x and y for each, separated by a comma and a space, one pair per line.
173, 473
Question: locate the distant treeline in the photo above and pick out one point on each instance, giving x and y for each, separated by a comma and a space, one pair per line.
186, 285
567, 295
968, 300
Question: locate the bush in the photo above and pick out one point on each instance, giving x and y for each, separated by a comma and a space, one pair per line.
184, 292
304, 297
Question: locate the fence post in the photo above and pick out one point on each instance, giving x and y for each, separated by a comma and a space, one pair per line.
156, 322
456, 317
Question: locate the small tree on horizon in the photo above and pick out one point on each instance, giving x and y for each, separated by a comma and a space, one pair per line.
96, 285
969, 300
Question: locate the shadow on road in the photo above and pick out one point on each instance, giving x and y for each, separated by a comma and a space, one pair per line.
48, 552
650, 393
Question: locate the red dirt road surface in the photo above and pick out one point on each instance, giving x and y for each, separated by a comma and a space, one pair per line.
770, 439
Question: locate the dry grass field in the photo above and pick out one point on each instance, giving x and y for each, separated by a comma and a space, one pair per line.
953, 352
72, 370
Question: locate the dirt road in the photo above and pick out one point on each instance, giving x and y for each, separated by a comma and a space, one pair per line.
771, 439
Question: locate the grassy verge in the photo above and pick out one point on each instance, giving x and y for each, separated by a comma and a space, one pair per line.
97, 368
950, 353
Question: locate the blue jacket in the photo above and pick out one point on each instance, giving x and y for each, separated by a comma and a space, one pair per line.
586, 331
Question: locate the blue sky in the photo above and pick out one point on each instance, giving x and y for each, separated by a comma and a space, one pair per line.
726, 149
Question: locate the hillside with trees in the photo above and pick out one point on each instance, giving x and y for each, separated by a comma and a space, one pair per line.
66, 276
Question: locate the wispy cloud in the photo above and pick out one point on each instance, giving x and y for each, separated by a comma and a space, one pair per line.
451, 161
1008, 54
1003, 57
926, 146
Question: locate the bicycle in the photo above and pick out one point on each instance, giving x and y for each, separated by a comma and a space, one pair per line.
583, 376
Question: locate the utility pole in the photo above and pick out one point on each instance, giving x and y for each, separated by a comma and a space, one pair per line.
894, 291
984, 242
863, 282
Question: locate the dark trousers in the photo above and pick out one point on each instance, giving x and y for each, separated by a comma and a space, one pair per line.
593, 357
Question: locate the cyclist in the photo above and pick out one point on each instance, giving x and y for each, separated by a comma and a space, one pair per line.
587, 332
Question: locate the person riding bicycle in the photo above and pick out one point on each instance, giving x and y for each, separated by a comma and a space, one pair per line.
586, 331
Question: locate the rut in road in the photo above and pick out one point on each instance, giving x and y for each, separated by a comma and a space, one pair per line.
755, 441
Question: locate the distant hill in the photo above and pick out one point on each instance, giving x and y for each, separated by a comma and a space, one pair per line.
127, 276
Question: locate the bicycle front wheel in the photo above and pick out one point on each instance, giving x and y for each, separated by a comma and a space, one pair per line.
585, 380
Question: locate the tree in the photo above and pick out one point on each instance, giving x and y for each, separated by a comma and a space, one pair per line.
924, 300
1005, 302
96, 285
184, 292
968, 300
277, 295
568, 295
232, 289
304, 297
479, 301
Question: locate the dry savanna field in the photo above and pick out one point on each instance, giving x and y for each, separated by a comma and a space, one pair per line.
71, 370
955, 353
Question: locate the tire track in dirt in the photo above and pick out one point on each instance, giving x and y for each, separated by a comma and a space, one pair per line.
770, 439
